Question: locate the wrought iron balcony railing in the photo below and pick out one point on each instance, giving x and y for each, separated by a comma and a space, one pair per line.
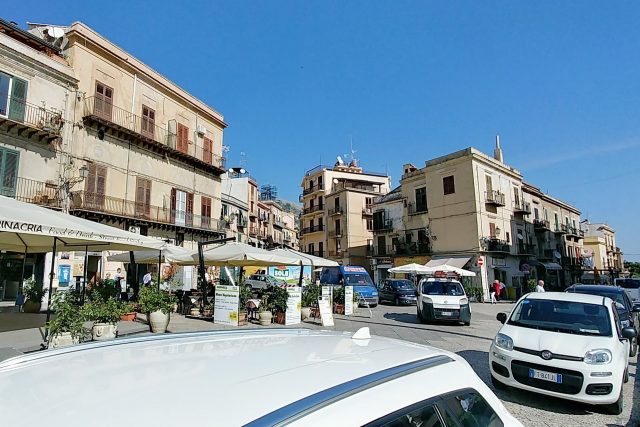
541, 224
31, 121
494, 244
416, 209
526, 249
35, 192
145, 129
312, 189
521, 207
336, 211
314, 229
384, 225
312, 209
494, 197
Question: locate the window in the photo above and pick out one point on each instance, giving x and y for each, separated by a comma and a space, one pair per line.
468, 409
488, 183
103, 106
205, 211
148, 121
369, 224
449, 185
536, 213
516, 196
207, 155
311, 248
95, 186
414, 416
556, 220
382, 245
183, 138
9, 160
13, 97
337, 227
143, 197
321, 249
368, 201
421, 199
492, 230
181, 207
378, 220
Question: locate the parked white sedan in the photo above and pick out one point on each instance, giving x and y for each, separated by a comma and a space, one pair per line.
566, 345
263, 377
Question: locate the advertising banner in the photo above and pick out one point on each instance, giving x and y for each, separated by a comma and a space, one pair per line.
348, 300
225, 310
293, 315
326, 293
291, 274
325, 312
64, 275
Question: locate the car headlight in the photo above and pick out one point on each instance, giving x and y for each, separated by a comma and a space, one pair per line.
598, 356
503, 341
464, 301
427, 300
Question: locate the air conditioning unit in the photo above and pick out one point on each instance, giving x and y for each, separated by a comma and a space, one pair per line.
134, 229
201, 130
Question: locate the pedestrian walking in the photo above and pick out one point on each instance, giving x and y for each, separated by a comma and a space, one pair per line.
503, 291
146, 279
121, 282
540, 286
496, 289
493, 293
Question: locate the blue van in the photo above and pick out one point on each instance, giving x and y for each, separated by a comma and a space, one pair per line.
351, 275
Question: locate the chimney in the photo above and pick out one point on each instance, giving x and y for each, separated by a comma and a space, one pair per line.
497, 153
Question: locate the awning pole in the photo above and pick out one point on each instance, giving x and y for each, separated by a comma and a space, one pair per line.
159, 263
24, 261
302, 272
84, 274
53, 265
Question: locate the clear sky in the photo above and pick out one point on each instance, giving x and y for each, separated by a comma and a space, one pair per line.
406, 81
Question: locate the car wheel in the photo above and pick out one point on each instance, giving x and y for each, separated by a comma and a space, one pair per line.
616, 407
396, 301
467, 323
625, 379
633, 348
420, 317
497, 384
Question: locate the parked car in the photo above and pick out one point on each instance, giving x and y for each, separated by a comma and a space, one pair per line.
631, 287
352, 275
627, 314
565, 345
261, 281
354, 380
442, 299
397, 291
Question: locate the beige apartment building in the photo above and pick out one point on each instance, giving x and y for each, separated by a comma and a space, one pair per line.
476, 211
93, 131
605, 258
337, 215
280, 227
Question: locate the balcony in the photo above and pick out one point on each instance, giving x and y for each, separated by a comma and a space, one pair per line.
123, 123
279, 224
367, 211
314, 229
253, 231
522, 208
494, 198
241, 222
361, 186
335, 234
35, 192
383, 250
31, 121
412, 248
336, 254
494, 244
97, 203
546, 255
313, 209
575, 232
336, 211
526, 249
541, 225
384, 225
560, 229
414, 209
312, 189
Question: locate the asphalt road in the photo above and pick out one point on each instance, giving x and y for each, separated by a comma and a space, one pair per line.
472, 343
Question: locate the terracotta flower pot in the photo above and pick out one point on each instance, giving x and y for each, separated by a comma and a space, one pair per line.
242, 318
280, 316
338, 308
128, 317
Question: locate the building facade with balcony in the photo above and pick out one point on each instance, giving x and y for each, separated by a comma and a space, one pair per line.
477, 211
337, 215
605, 258
388, 228
37, 93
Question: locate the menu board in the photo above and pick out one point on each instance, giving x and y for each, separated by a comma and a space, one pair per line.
225, 310
325, 312
348, 300
293, 315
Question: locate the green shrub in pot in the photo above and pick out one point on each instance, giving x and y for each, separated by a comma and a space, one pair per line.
66, 327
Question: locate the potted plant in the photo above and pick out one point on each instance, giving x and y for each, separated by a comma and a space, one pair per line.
264, 311
278, 297
104, 316
129, 313
245, 295
338, 300
33, 293
157, 305
67, 326
208, 310
310, 294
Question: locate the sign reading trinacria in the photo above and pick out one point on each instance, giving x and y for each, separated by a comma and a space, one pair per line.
62, 232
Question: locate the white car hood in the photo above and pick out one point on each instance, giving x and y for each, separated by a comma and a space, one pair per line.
555, 342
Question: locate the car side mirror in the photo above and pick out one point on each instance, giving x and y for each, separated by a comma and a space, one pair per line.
636, 308
417, 293
502, 317
629, 333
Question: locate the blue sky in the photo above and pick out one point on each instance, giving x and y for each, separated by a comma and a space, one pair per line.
406, 81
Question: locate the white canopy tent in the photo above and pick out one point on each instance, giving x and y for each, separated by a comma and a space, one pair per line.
168, 254
306, 260
235, 254
451, 269
410, 269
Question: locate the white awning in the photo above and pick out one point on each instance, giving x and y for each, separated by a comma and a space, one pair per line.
458, 262
552, 266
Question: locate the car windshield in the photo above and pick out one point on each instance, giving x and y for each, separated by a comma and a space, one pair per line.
615, 296
358, 279
562, 316
628, 283
402, 285
442, 288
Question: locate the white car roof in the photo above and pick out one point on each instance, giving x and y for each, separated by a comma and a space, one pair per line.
234, 376
568, 296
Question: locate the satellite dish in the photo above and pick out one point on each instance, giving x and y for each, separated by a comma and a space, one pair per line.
557, 255
339, 160
56, 32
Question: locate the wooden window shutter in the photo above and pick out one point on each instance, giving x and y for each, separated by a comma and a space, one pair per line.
90, 184
101, 184
103, 101
183, 138
17, 103
189, 218
208, 151
8, 172
148, 121
173, 205
492, 229
143, 196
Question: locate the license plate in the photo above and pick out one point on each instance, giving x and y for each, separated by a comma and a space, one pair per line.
446, 313
546, 376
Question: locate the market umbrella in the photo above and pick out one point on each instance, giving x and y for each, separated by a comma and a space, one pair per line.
410, 269
169, 254
306, 260
236, 254
451, 269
